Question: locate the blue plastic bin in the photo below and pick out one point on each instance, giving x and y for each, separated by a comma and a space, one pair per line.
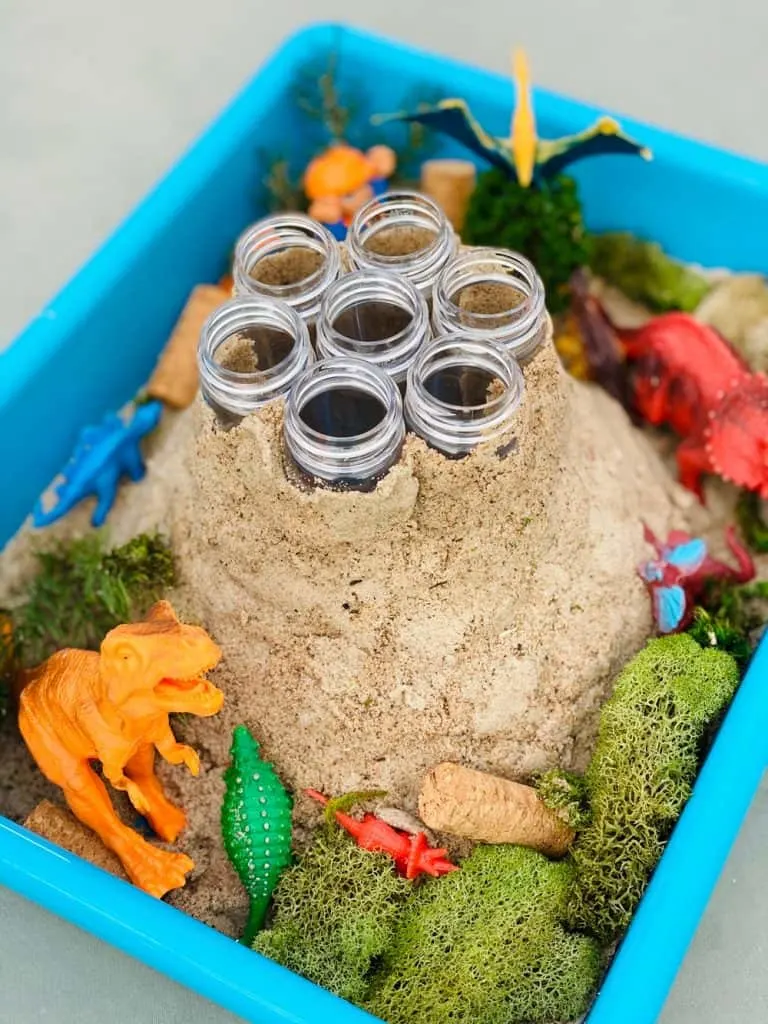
94, 345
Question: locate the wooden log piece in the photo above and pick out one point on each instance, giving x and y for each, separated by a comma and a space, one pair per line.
175, 378
60, 826
489, 809
450, 183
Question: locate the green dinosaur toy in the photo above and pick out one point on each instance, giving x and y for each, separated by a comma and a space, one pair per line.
255, 825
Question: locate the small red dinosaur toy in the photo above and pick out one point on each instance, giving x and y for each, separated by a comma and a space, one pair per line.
685, 375
681, 571
412, 854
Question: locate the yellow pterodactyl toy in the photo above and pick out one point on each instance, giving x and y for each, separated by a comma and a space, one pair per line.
523, 156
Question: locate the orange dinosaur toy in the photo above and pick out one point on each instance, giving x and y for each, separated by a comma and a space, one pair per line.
341, 179
113, 706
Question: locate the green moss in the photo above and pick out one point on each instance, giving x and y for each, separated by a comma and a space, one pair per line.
81, 591
334, 914
752, 522
644, 272
641, 773
485, 944
543, 222
566, 793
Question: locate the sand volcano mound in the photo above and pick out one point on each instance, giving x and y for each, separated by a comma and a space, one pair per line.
473, 610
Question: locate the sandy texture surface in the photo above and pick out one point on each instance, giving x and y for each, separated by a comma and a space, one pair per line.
471, 610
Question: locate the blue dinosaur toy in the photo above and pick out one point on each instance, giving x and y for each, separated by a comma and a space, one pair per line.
102, 456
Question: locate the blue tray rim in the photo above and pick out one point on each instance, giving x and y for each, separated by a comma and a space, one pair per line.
644, 968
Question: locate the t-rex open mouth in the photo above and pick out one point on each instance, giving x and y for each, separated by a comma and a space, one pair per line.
195, 696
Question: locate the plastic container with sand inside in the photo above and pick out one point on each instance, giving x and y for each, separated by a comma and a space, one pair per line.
60, 362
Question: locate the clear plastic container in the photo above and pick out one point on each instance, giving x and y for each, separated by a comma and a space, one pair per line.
494, 294
344, 425
289, 257
251, 350
377, 316
461, 392
403, 232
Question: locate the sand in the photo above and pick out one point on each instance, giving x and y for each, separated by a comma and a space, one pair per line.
473, 610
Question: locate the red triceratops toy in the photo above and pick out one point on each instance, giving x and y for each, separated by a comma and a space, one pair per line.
682, 569
685, 375
412, 854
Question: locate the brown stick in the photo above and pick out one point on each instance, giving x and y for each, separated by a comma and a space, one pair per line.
486, 808
450, 183
175, 379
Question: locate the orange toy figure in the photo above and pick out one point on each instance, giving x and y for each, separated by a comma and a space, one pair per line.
112, 706
340, 180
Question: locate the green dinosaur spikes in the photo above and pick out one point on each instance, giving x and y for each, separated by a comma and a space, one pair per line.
255, 825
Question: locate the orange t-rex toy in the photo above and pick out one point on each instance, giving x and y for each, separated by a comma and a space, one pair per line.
112, 706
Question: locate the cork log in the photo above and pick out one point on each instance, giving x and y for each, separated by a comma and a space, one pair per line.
489, 809
450, 183
60, 826
175, 379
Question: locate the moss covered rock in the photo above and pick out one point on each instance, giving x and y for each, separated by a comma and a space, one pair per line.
543, 222
486, 944
641, 773
334, 914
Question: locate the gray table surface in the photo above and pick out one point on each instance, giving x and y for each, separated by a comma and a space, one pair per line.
97, 97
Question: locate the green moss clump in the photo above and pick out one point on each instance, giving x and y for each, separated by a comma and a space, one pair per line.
485, 944
81, 591
641, 773
644, 272
334, 914
566, 793
543, 222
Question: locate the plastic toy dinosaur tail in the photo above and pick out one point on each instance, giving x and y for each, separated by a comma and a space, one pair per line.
746, 566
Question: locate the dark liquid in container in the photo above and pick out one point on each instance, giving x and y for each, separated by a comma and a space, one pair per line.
342, 412
372, 321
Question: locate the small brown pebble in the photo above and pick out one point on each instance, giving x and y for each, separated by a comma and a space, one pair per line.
175, 378
60, 826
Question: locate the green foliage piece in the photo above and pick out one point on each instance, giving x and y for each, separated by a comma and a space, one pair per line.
282, 191
486, 944
255, 825
641, 773
644, 272
334, 914
319, 98
82, 591
565, 793
543, 222
751, 520
716, 630
347, 801
731, 617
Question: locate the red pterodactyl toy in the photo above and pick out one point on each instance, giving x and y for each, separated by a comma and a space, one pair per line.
412, 854
686, 375
681, 570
